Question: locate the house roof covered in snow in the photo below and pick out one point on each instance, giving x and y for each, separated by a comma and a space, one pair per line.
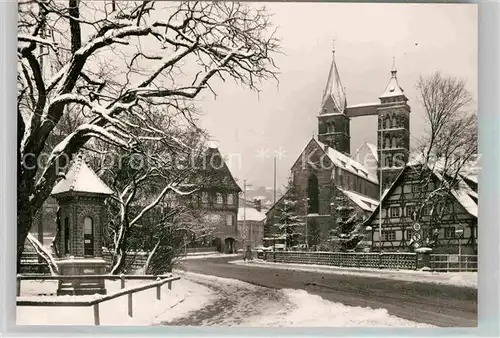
345, 162
251, 214
80, 178
463, 194
364, 202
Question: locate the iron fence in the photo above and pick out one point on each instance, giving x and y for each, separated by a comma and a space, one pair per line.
456, 263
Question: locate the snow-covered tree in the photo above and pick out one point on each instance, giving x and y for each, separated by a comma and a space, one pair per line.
314, 233
347, 232
287, 221
448, 149
112, 61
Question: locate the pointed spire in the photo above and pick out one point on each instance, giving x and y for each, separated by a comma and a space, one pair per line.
393, 88
394, 71
334, 88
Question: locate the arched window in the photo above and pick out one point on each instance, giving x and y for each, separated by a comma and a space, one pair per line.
388, 122
313, 194
230, 200
88, 237
387, 142
219, 199
66, 235
394, 122
394, 142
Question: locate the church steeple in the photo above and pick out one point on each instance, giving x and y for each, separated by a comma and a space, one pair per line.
333, 123
393, 89
393, 141
334, 91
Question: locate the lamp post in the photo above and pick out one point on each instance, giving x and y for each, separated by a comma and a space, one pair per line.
306, 207
380, 182
245, 185
370, 229
459, 231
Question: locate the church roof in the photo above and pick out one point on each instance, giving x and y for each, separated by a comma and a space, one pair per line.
334, 90
393, 88
371, 147
80, 178
345, 162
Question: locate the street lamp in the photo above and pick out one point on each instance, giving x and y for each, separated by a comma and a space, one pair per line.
459, 231
380, 181
306, 207
370, 229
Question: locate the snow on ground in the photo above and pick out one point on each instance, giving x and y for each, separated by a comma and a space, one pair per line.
246, 305
184, 297
467, 279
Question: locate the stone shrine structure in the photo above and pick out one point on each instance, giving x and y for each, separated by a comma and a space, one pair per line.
80, 221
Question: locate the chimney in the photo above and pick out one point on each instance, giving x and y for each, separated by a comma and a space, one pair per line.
257, 204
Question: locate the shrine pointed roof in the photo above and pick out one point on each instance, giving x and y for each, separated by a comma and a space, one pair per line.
80, 178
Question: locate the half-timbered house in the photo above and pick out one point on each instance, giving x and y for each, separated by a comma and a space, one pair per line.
410, 218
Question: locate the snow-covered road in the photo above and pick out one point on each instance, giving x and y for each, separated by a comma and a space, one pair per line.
242, 304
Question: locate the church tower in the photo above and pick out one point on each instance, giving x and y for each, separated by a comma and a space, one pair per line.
393, 136
333, 123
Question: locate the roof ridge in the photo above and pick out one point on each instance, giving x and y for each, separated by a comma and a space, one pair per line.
78, 167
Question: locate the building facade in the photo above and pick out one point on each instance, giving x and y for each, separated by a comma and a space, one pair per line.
411, 219
218, 200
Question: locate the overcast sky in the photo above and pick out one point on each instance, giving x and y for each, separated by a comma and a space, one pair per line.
422, 38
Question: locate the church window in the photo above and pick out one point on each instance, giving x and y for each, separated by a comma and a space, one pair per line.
387, 142
394, 142
386, 162
388, 123
313, 194
394, 122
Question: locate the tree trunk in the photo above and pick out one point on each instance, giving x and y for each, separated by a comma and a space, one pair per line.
150, 258
120, 254
25, 218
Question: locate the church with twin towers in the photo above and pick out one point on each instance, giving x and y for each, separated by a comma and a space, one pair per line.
326, 167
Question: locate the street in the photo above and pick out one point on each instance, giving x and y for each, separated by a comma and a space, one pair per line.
439, 305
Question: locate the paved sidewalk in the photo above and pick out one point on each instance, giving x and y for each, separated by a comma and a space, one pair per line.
466, 279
